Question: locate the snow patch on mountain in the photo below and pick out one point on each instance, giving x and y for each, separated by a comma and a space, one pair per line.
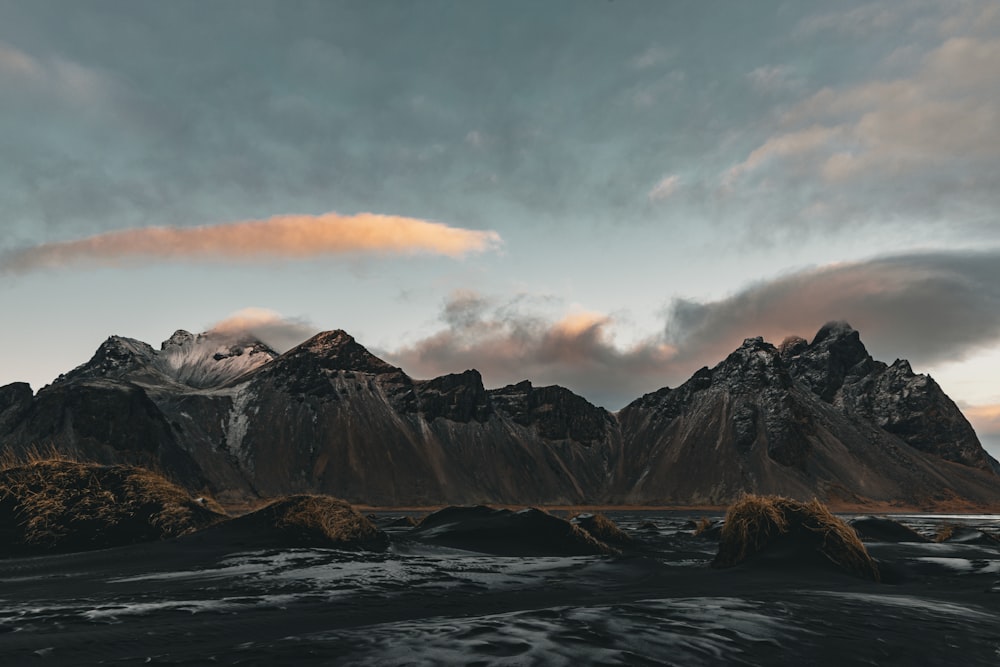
210, 359
237, 425
201, 361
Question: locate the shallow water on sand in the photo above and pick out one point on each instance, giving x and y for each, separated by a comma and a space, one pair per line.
423, 604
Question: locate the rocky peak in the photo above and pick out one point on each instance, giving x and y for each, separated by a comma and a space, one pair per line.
792, 346
180, 338
124, 350
840, 340
556, 412
837, 331
211, 359
668, 403
115, 358
902, 366
754, 366
914, 408
458, 397
330, 416
199, 361
338, 350
319, 367
836, 367
758, 366
224, 344
836, 355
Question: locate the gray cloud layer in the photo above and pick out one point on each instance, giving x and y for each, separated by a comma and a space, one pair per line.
143, 113
927, 308
507, 343
915, 142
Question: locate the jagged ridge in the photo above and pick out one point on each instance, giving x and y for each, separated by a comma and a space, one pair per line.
204, 361
805, 419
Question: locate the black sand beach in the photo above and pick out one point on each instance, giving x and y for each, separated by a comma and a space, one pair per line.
419, 603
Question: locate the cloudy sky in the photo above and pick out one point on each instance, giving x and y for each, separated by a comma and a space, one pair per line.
604, 195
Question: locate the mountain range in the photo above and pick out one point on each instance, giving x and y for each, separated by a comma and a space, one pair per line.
228, 415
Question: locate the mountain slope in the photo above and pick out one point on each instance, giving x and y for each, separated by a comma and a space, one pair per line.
203, 361
837, 367
352, 424
750, 424
805, 419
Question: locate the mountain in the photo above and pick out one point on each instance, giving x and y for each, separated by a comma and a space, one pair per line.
838, 368
231, 416
116, 407
202, 361
804, 419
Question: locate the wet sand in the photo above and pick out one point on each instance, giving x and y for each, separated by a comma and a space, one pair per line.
195, 602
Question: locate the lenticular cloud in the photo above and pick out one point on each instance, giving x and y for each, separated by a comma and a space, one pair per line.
280, 237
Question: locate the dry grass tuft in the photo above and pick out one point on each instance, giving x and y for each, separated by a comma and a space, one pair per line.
602, 528
945, 532
754, 523
591, 541
322, 521
61, 505
703, 526
956, 532
10, 458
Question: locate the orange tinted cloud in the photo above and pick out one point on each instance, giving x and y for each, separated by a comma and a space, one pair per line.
281, 333
280, 237
507, 344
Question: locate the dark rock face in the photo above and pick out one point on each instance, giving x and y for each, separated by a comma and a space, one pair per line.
835, 357
806, 419
837, 367
116, 358
556, 413
325, 417
15, 401
727, 429
755, 372
335, 350
459, 397
104, 422
356, 427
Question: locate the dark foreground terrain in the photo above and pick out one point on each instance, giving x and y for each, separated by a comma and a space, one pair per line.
421, 603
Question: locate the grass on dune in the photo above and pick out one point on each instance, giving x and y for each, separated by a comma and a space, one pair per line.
54, 504
322, 520
602, 528
755, 523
